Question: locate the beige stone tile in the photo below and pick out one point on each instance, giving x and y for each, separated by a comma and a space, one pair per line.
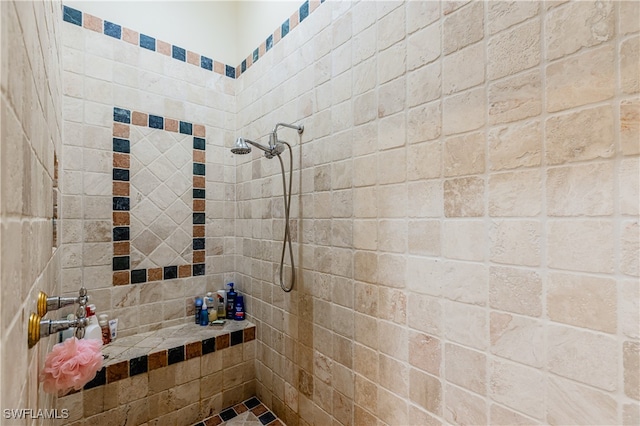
466, 368
517, 338
392, 166
517, 145
392, 236
465, 282
518, 387
464, 155
392, 132
388, 28
463, 408
463, 69
366, 394
420, 14
464, 240
466, 324
515, 98
365, 362
424, 237
393, 375
584, 301
629, 70
580, 245
423, 158
463, 27
391, 97
631, 365
630, 414
580, 190
423, 47
392, 340
580, 80
572, 403
392, 62
392, 201
424, 275
425, 313
629, 171
584, 356
516, 242
362, 170
426, 199
629, 308
502, 15
365, 234
514, 50
366, 330
463, 197
464, 112
424, 84
630, 127
515, 290
391, 408
573, 26
517, 194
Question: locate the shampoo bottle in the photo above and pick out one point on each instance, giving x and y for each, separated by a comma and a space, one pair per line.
204, 314
239, 314
221, 312
103, 320
198, 309
92, 331
231, 301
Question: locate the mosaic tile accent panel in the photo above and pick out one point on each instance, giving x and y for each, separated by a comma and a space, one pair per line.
93, 23
250, 412
159, 169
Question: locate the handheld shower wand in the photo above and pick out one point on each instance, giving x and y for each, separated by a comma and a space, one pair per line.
275, 148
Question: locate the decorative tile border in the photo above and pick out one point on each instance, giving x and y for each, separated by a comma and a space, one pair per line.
93, 23
121, 265
235, 413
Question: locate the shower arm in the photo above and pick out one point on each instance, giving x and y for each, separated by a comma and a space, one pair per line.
273, 137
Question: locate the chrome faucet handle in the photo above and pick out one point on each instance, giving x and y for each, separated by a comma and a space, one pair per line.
46, 303
39, 327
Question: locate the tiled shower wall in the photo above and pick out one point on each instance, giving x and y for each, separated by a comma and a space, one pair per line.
31, 134
116, 86
466, 191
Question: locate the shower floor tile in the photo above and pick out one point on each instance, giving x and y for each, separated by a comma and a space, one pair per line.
248, 413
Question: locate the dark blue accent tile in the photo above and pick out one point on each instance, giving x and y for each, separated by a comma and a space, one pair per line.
199, 169
228, 414
120, 263
267, 418
99, 380
284, 28
269, 42
198, 218
304, 10
198, 193
208, 345
256, 55
200, 424
206, 63
121, 145
121, 203
71, 15
252, 403
121, 233
198, 243
186, 128
121, 115
156, 122
198, 269
230, 71
138, 365
243, 66
175, 355
112, 30
199, 143
147, 42
178, 53
138, 276
170, 272
121, 174
236, 337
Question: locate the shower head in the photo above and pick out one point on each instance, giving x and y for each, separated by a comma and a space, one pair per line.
241, 147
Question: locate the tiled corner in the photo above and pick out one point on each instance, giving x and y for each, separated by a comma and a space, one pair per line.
249, 412
144, 41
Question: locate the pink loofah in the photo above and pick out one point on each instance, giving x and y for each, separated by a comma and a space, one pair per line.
71, 365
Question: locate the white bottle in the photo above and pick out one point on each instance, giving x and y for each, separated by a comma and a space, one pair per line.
93, 330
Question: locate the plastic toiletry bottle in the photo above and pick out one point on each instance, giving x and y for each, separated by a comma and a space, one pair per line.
239, 314
231, 301
204, 314
211, 305
93, 330
198, 309
221, 312
103, 320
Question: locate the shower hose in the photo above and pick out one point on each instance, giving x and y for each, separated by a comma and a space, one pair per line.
287, 233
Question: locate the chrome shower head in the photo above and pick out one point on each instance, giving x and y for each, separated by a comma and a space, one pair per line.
241, 147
